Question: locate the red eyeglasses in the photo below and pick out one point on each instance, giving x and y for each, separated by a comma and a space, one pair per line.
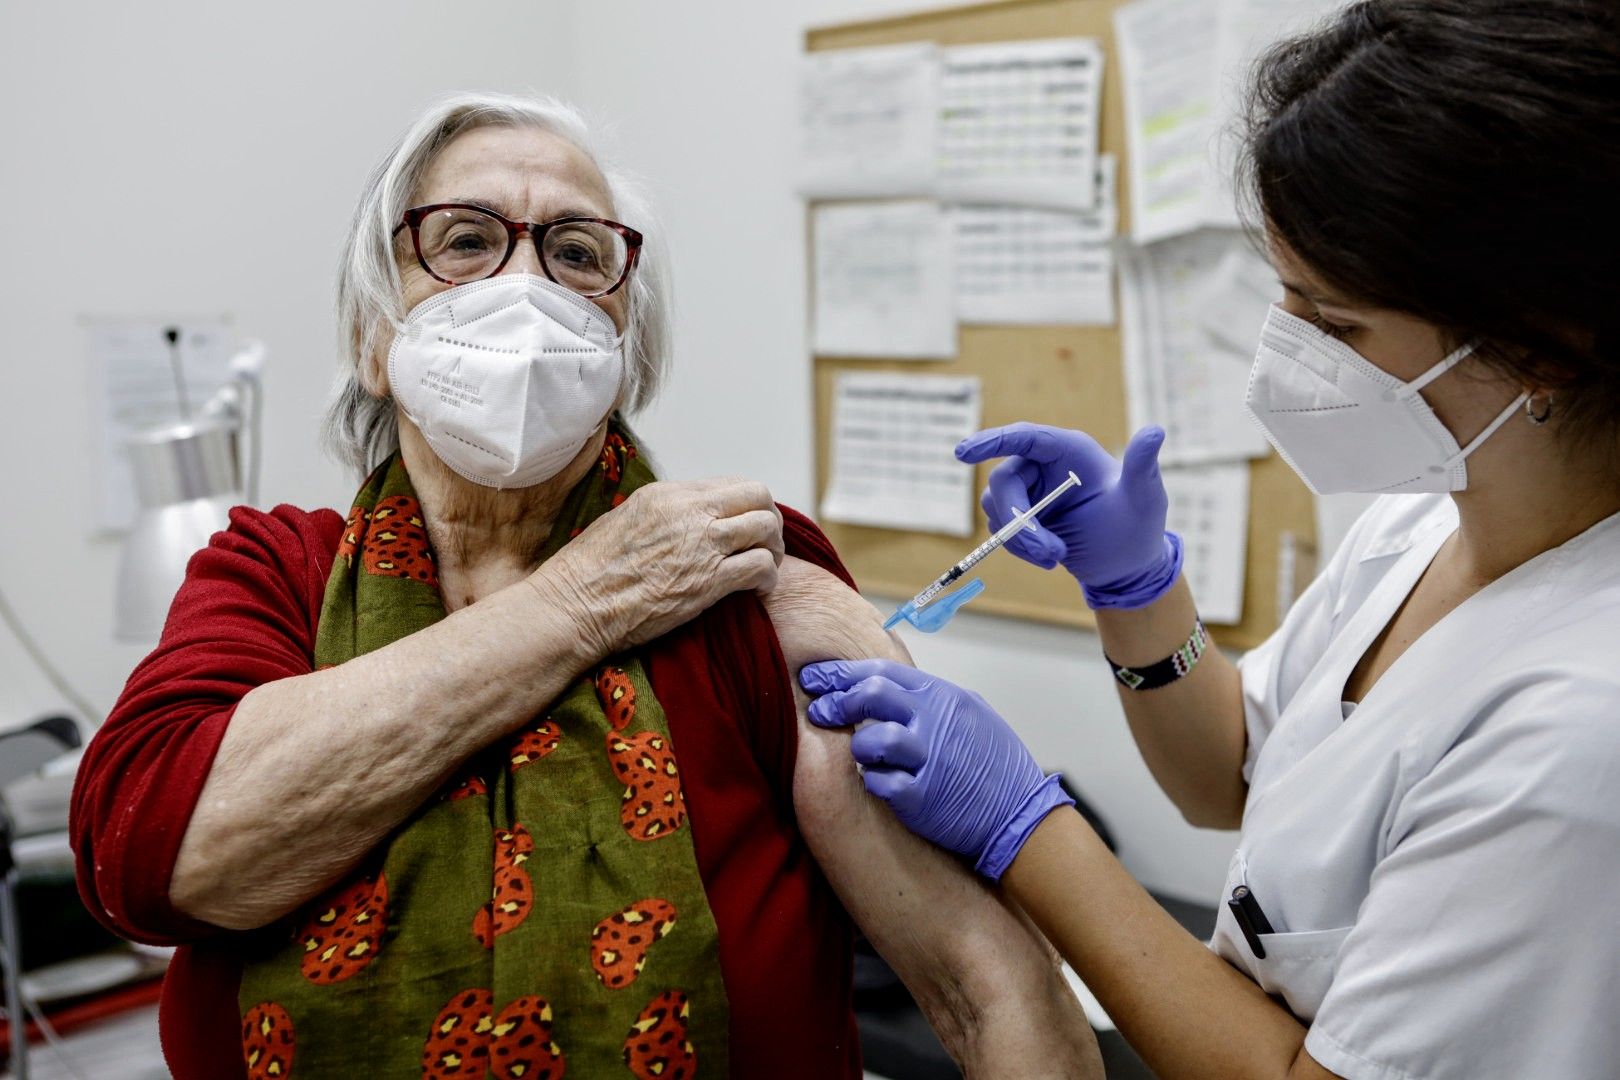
459, 242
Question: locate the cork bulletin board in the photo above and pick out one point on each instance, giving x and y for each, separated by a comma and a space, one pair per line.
1072, 376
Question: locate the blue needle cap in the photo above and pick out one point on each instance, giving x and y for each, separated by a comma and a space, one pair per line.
933, 618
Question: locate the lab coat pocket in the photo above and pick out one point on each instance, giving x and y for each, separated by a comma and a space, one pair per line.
1299, 967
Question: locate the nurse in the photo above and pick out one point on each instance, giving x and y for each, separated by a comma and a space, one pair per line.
1425, 758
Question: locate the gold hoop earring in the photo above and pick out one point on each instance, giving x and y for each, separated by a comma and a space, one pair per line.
1534, 417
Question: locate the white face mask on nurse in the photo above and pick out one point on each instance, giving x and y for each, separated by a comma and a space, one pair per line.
1347, 394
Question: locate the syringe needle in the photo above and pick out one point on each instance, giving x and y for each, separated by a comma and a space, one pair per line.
911, 609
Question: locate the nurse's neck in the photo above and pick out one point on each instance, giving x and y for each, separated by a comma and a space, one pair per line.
1530, 489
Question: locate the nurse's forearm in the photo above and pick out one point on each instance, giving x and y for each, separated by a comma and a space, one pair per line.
1190, 732
1187, 1012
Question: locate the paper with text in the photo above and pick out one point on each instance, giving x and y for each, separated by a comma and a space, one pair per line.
1166, 63
1247, 29
1016, 265
1209, 508
1185, 66
1178, 374
1019, 123
883, 281
893, 441
1235, 298
869, 122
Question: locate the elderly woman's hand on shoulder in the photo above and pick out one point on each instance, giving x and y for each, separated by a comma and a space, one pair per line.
667, 554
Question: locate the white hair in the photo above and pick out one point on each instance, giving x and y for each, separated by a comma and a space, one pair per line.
360, 428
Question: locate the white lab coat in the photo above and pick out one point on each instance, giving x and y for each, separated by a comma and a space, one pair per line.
1441, 865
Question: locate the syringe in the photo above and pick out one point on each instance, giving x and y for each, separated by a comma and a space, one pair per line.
910, 608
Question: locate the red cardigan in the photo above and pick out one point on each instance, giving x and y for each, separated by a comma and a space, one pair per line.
246, 616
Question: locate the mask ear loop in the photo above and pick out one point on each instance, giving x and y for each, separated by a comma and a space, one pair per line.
1490, 429
1452, 359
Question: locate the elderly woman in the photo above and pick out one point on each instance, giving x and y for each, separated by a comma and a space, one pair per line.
505, 771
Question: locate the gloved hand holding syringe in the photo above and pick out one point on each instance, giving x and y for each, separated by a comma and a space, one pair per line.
934, 619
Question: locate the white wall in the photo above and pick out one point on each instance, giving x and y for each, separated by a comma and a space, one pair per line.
242, 134
185, 157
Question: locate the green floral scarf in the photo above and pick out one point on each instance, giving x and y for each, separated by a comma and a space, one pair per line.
542, 913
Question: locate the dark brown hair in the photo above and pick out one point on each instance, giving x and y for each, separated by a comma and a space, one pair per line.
1459, 160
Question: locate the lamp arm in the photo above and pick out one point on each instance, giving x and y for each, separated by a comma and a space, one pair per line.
241, 402
247, 366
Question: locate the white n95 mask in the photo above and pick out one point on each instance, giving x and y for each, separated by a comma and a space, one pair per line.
507, 377
1345, 424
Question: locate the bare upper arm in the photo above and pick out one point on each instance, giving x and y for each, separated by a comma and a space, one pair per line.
818, 617
988, 982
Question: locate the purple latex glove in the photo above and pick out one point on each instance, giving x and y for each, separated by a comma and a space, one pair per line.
1109, 532
945, 762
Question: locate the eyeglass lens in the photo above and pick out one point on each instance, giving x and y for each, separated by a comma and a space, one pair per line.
464, 244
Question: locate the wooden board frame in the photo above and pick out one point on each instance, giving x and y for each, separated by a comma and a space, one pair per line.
1070, 376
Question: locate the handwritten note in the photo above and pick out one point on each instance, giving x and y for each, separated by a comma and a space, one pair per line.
883, 274
869, 122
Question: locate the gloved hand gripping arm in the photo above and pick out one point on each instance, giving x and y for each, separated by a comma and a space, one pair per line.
939, 755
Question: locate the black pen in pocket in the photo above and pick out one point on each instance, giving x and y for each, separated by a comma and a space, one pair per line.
1250, 919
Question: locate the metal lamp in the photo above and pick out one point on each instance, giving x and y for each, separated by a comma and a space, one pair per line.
187, 477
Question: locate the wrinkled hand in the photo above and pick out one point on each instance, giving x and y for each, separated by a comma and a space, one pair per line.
1109, 533
665, 555
940, 756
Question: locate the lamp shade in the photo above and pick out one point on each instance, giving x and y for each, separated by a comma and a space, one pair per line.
186, 483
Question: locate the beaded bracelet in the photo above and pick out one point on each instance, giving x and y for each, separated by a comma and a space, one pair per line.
1175, 666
